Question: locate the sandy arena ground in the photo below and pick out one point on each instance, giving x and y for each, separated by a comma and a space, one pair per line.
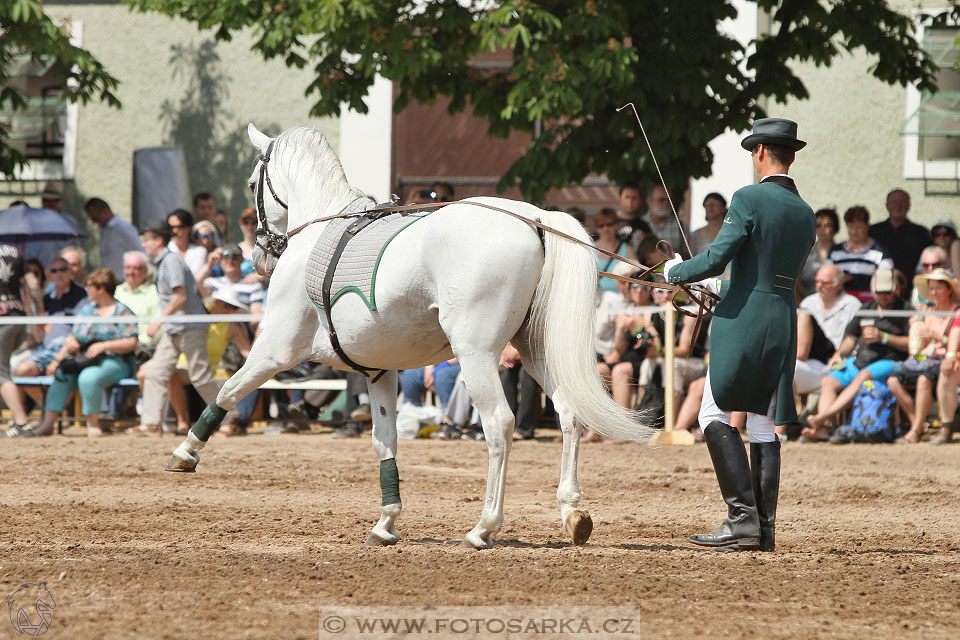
271, 528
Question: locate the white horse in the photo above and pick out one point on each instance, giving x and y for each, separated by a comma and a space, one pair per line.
462, 282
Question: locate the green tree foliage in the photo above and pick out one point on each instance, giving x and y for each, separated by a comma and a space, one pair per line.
573, 64
27, 32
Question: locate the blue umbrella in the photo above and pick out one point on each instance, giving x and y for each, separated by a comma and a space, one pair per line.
22, 223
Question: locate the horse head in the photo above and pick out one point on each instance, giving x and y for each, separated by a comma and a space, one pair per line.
271, 209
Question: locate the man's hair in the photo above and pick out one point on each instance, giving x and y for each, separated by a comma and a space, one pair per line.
104, 278
830, 214
935, 248
80, 252
857, 213
145, 260
654, 188
96, 204
203, 195
781, 155
838, 275
629, 185
184, 216
716, 196
898, 190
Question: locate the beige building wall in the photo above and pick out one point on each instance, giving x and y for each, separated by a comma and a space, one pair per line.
178, 88
855, 154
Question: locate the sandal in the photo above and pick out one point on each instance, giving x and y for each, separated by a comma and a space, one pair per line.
944, 436
911, 437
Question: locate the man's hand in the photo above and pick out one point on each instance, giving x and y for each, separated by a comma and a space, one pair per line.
510, 357
153, 328
670, 264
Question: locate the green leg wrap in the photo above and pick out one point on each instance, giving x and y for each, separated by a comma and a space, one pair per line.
389, 482
209, 421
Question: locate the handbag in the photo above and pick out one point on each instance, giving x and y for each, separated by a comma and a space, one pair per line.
79, 362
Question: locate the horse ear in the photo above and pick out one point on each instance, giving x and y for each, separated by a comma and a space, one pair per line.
259, 140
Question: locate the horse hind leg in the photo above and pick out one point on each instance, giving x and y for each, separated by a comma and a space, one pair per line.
576, 522
480, 375
383, 406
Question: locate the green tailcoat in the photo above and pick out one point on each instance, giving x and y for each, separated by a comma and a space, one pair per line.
766, 236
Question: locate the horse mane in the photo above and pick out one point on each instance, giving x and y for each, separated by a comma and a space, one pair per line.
311, 163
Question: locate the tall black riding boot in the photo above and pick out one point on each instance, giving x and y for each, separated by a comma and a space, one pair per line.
765, 460
741, 529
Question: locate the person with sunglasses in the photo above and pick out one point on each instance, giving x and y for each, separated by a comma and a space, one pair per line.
933, 257
944, 235
607, 226
181, 224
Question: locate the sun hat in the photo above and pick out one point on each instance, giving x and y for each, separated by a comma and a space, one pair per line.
773, 131
922, 282
945, 223
229, 296
51, 192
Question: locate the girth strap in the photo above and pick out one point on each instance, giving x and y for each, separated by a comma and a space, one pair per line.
351, 231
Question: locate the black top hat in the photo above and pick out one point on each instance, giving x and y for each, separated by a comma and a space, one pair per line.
773, 131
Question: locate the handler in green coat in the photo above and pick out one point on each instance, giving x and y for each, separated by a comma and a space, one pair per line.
766, 236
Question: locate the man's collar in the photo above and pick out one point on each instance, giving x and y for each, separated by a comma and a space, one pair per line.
161, 255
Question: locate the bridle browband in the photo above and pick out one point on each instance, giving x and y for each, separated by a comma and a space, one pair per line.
275, 243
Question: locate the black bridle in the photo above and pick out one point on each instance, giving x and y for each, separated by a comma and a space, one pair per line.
274, 243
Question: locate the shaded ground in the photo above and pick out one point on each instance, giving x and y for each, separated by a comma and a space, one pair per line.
271, 528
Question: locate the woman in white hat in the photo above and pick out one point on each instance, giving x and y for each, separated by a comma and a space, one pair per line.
928, 349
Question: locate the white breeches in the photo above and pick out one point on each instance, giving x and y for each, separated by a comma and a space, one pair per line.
760, 428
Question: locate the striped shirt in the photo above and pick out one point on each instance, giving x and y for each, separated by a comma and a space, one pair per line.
859, 266
249, 293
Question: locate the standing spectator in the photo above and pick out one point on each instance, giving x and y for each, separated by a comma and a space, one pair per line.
205, 208
178, 295
248, 225
714, 209
77, 260
205, 234
195, 255
46, 250
859, 256
110, 345
660, 218
62, 298
522, 392
630, 227
947, 386
944, 235
117, 236
831, 306
222, 220
927, 347
13, 302
828, 223
902, 239
609, 241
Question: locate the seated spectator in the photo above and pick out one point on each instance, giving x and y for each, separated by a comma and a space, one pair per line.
947, 384
222, 220
814, 350
39, 283
828, 224
77, 261
714, 209
933, 257
831, 306
927, 348
94, 356
439, 378
628, 331
607, 231
230, 258
944, 235
181, 224
15, 281
63, 298
859, 256
870, 349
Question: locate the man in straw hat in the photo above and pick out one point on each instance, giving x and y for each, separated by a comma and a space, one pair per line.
765, 236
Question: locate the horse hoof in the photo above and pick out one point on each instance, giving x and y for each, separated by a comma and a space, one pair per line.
376, 541
181, 466
471, 541
579, 526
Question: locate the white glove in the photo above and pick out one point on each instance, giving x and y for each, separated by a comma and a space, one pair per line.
670, 264
711, 284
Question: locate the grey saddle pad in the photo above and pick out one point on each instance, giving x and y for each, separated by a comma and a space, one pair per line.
356, 271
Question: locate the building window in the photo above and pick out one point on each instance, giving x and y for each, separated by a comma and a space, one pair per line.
46, 130
932, 127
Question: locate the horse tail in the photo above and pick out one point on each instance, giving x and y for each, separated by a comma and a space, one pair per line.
561, 331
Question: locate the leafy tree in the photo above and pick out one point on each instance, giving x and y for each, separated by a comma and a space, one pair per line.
571, 65
26, 32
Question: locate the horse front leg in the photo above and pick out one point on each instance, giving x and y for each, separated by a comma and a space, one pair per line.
262, 364
576, 522
480, 375
383, 407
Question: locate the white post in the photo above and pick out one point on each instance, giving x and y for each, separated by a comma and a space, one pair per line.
669, 339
